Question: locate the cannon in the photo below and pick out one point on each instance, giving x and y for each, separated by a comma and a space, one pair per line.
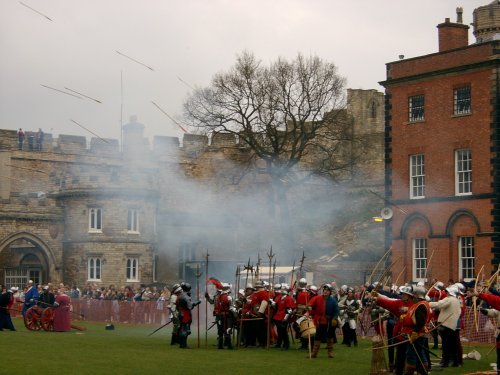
37, 318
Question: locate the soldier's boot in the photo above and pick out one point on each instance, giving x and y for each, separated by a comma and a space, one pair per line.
220, 343
315, 348
173, 341
228, 342
182, 340
303, 343
329, 347
410, 370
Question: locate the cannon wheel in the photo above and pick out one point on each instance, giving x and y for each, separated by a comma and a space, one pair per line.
47, 319
32, 318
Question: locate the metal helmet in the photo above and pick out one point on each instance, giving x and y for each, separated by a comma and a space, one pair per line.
419, 292
407, 290
439, 286
241, 292
313, 289
249, 286
186, 287
175, 286
343, 288
285, 288
461, 288
302, 283
226, 287
177, 289
277, 287
259, 284
420, 283
328, 287
452, 291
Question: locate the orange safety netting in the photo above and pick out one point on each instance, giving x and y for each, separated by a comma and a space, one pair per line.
157, 312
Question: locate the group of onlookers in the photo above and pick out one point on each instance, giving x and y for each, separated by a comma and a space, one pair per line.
35, 140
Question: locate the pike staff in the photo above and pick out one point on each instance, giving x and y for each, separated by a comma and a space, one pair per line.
247, 268
299, 272
257, 267
270, 255
236, 289
198, 274
206, 302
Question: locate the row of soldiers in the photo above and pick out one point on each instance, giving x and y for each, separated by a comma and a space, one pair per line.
408, 315
263, 316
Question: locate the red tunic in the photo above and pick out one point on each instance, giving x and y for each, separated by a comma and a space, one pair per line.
62, 314
493, 301
408, 319
283, 303
394, 306
318, 310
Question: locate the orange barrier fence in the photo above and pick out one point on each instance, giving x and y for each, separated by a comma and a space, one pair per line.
156, 313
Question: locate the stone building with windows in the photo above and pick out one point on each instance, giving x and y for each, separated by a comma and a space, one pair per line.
79, 213
442, 153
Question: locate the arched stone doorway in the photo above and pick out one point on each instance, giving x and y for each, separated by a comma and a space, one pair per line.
24, 257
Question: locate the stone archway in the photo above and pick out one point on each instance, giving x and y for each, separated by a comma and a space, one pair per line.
23, 257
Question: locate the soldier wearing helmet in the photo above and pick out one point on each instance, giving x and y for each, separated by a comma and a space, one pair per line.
260, 299
184, 305
176, 291
248, 324
302, 298
349, 310
223, 317
436, 293
449, 315
397, 307
284, 306
461, 325
324, 310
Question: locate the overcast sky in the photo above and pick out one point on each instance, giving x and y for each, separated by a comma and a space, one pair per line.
186, 42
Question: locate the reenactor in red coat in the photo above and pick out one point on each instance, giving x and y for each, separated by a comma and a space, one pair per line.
284, 306
62, 312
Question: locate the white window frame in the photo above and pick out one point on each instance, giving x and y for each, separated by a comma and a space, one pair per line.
466, 258
462, 103
416, 113
463, 172
133, 220
132, 269
419, 247
95, 220
94, 269
417, 176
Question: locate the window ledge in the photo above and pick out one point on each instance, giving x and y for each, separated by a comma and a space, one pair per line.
461, 115
95, 231
133, 232
414, 122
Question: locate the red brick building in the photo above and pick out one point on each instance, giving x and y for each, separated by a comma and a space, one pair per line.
442, 153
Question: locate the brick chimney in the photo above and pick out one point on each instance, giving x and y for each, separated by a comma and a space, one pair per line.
453, 35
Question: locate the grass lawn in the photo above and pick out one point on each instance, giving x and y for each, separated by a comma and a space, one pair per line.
129, 350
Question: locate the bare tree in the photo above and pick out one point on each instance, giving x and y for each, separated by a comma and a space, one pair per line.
291, 114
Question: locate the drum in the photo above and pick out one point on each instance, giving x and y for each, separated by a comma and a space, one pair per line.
307, 328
